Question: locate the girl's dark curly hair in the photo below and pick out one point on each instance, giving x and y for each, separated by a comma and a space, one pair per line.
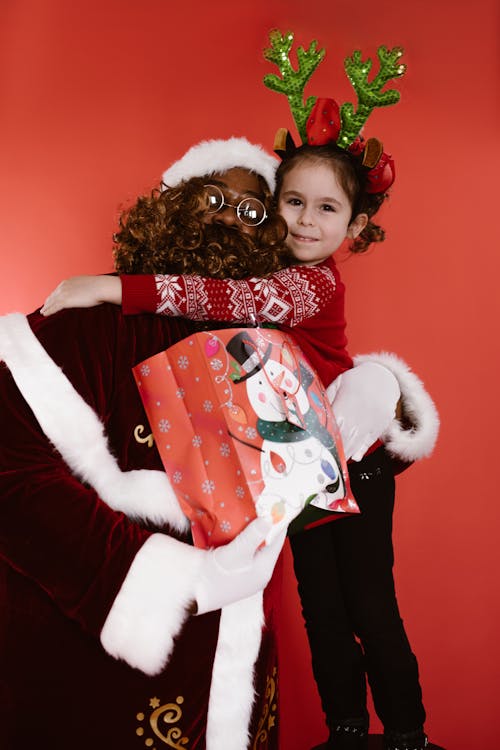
165, 233
352, 177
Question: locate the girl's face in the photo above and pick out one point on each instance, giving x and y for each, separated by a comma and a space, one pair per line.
317, 211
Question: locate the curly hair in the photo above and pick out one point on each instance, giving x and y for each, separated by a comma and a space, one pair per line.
165, 233
352, 177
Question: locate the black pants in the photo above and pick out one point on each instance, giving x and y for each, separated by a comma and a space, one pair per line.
346, 586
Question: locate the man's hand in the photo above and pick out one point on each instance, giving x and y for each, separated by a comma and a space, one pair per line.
83, 291
364, 402
238, 569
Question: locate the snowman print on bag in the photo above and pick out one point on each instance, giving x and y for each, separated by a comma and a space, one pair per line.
299, 462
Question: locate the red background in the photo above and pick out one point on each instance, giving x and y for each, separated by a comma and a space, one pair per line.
98, 97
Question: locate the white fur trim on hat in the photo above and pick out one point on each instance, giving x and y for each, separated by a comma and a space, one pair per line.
209, 157
419, 408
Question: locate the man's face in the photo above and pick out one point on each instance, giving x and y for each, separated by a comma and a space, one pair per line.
236, 184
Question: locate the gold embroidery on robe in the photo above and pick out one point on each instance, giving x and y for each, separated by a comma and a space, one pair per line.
268, 716
149, 439
168, 713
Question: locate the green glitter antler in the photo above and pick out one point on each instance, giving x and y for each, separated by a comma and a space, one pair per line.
292, 82
369, 94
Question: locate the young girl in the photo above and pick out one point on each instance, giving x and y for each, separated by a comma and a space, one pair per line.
351, 613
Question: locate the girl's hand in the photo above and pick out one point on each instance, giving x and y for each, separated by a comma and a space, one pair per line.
83, 291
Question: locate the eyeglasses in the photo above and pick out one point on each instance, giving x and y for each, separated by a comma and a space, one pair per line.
250, 211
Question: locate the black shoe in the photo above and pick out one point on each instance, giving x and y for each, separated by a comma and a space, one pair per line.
347, 735
416, 740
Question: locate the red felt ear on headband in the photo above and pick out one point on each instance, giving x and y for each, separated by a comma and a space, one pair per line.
381, 177
323, 124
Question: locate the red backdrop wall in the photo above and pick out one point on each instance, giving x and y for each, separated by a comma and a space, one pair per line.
98, 97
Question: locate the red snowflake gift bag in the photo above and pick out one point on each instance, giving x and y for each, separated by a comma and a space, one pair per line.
244, 429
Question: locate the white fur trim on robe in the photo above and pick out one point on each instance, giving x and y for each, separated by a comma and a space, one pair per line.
418, 441
58, 407
231, 691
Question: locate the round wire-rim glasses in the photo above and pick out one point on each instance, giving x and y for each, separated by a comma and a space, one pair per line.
250, 211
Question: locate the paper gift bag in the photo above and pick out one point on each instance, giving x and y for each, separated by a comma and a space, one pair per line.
244, 429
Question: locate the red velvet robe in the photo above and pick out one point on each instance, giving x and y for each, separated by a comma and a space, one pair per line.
97, 649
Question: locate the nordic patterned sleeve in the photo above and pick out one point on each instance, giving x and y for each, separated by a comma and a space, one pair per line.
287, 297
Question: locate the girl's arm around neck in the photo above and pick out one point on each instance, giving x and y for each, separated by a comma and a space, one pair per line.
286, 298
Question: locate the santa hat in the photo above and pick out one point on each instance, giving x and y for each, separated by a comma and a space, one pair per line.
209, 157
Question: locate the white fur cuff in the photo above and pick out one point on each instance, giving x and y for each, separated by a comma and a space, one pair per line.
419, 440
152, 603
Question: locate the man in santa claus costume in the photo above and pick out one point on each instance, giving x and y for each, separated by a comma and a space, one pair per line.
115, 632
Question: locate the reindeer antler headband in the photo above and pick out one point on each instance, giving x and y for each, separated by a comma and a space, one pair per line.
321, 121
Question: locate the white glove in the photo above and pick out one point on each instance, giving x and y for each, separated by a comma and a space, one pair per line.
364, 401
238, 569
